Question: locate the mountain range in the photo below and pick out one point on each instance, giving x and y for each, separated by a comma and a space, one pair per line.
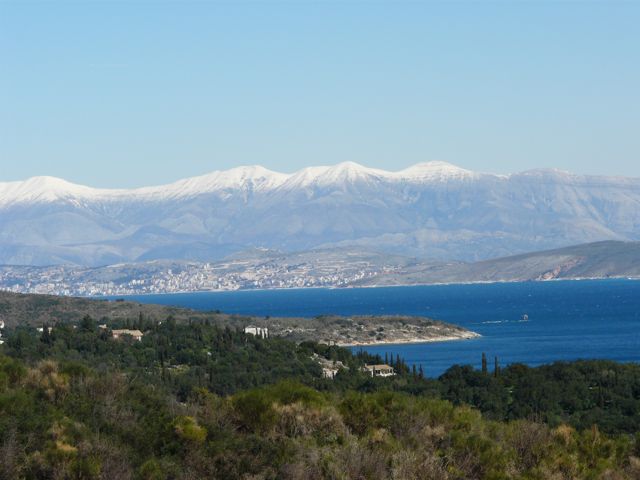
433, 211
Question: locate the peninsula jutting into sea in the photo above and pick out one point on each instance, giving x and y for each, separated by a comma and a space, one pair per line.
35, 310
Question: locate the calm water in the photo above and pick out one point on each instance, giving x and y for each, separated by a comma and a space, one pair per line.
567, 320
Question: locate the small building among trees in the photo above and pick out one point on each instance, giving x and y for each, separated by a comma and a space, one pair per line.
381, 370
135, 334
262, 332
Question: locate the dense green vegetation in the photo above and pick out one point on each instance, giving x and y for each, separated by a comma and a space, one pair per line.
179, 357
581, 393
200, 400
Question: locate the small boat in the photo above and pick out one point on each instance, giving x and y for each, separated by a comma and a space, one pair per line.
525, 318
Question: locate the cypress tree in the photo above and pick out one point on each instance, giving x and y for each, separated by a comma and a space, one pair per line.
163, 370
87, 324
45, 337
484, 363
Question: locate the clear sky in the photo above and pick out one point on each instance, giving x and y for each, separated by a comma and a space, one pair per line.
125, 94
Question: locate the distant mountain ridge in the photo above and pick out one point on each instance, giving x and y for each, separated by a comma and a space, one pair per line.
600, 260
432, 210
253, 178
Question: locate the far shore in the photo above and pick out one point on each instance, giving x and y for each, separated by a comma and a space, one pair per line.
125, 296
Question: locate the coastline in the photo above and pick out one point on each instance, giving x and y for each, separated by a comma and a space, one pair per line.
348, 287
415, 340
491, 282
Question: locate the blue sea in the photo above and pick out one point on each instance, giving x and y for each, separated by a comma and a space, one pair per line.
567, 320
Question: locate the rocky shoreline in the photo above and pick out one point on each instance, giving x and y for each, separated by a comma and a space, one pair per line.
469, 335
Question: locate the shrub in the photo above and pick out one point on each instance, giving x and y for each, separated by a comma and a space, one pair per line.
187, 428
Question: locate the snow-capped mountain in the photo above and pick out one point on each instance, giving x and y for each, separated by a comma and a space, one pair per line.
434, 210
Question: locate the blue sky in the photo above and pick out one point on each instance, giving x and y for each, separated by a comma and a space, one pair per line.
124, 94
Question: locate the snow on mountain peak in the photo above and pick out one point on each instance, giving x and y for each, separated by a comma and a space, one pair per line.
254, 178
251, 173
435, 171
350, 171
42, 189
345, 172
47, 183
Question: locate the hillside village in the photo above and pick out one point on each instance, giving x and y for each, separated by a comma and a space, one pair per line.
259, 270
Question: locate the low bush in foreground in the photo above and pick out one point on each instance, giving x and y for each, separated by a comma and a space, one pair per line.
79, 423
